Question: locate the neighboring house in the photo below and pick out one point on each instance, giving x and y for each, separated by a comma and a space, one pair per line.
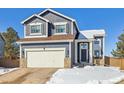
2, 43
50, 38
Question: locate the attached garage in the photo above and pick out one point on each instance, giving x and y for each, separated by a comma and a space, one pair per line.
45, 57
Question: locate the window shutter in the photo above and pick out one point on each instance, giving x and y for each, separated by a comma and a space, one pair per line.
54, 29
43, 29
67, 28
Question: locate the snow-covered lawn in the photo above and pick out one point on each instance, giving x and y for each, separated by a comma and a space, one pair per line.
87, 75
6, 70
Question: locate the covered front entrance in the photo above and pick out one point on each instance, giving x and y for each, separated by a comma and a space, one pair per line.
84, 54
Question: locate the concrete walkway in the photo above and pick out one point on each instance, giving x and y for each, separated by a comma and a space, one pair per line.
28, 76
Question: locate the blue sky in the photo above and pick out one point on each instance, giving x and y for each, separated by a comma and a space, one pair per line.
112, 20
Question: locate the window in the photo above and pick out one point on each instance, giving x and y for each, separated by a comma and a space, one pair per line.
35, 28
60, 28
96, 42
97, 53
84, 46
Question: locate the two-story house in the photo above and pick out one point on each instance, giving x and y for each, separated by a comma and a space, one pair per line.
2, 44
50, 38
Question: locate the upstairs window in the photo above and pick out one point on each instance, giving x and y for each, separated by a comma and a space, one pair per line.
96, 42
35, 28
60, 28
96, 53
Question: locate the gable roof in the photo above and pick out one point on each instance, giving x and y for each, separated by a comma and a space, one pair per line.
34, 15
2, 36
92, 33
38, 15
73, 20
56, 13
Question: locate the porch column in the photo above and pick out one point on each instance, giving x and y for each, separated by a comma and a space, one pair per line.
75, 51
70, 50
103, 47
91, 52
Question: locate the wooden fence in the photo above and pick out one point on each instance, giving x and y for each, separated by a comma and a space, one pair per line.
110, 61
117, 62
98, 61
9, 63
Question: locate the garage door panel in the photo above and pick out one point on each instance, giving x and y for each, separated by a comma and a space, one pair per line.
47, 58
33, 59
54, 58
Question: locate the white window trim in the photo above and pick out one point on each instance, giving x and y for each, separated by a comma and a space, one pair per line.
60, 23
33, 24
39, 36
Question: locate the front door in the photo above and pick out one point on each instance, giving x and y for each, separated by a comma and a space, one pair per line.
83, 55
84, 52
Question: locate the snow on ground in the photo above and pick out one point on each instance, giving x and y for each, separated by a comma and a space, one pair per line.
6, 70
87, 75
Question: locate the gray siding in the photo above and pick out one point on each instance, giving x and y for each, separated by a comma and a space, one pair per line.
1, 47
35, 20
75, 29
53, 18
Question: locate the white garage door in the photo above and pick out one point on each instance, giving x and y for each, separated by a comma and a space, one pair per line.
46, 58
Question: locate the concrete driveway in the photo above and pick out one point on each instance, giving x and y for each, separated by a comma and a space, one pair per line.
28, 76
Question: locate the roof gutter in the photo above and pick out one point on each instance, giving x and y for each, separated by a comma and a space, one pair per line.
35, 16
51, 41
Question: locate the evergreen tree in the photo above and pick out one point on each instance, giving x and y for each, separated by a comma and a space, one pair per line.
119, 51
11, 48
